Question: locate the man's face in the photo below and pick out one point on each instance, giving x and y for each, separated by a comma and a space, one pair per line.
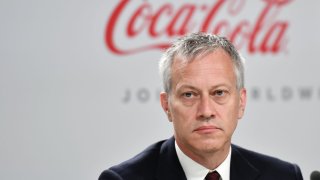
204, 104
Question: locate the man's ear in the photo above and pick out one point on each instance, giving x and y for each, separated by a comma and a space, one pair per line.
164, 99
242, 102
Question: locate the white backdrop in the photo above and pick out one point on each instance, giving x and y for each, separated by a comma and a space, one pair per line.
63, 110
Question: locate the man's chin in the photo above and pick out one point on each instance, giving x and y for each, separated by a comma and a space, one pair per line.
210, 146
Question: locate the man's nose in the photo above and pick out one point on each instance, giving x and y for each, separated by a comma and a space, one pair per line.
206, 108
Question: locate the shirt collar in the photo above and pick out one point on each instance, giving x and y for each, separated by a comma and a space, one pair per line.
195, 171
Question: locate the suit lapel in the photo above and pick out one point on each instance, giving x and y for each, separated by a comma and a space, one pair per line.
169, 167
241, 168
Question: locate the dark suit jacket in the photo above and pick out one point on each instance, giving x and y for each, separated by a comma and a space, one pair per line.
160, 161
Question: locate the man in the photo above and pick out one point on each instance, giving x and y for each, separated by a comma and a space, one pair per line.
204, 97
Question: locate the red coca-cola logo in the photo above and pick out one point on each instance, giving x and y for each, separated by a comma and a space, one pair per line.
263, 33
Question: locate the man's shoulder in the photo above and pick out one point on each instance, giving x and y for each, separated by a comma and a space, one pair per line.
259, 159
143, 163
266, 164
143, 159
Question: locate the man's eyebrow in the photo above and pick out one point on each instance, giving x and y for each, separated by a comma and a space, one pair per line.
221, 85
212, 87
187, 86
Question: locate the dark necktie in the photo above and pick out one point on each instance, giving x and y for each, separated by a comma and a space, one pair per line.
212, 176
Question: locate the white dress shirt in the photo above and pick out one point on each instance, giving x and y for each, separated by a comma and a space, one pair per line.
195, 171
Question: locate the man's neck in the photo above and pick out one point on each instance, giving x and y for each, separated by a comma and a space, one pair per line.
194, 170
209, 159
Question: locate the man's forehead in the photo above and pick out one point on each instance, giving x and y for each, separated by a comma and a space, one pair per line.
213, 65
219, 57
181, 60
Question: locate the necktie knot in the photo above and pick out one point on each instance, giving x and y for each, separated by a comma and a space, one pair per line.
212, 176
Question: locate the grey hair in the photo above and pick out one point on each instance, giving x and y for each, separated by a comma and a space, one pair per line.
193, 45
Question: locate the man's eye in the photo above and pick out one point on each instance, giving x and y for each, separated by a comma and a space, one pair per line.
188, 94
219, 93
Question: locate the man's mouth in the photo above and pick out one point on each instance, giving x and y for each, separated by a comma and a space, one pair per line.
206, 129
